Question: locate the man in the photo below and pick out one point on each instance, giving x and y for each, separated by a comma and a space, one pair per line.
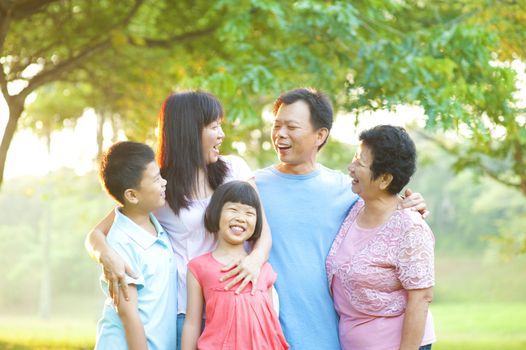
305, 204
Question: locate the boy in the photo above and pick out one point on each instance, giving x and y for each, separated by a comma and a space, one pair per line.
148, 319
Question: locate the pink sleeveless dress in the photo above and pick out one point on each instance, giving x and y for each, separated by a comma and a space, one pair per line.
236, 321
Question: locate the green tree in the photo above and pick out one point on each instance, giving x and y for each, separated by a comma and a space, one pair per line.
236, 49
366, 54
457, 56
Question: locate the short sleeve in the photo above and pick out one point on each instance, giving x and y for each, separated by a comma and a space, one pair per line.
133, 260
415, 266
239, 169
194, 268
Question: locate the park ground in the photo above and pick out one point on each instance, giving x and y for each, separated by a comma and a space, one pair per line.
478, 305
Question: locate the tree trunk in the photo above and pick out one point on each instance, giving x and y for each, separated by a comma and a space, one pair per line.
44, 307
101, 119
44, 304
15, 111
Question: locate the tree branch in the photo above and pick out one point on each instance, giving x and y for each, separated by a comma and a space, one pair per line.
132, 13
63, 67
5, 20
451, 150
3, 83
169, 42
54, 73
497, 178
26, 8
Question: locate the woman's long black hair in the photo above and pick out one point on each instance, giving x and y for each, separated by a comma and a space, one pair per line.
182, 119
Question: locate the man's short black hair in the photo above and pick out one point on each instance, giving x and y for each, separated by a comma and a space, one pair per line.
235, 192
122, 167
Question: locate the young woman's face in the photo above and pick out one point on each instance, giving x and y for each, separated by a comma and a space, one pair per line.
237, 223
211, 138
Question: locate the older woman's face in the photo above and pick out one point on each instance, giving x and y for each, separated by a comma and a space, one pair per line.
360, 171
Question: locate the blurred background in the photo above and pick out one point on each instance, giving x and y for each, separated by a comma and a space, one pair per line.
79, 75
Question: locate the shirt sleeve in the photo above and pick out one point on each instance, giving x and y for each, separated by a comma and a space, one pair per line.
415, 267
269, 274
194, 267
239, 168
133, 260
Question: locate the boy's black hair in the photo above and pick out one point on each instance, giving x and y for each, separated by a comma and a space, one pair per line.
122, 167
235, 192
393, 153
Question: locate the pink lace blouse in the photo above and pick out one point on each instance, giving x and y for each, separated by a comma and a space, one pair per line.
369, 271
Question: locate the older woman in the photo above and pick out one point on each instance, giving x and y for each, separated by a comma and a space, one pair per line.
380, 266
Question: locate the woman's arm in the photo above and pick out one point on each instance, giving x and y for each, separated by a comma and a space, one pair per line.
249, 268
133, 327
194, 313
113, 266
418, 301
95, 241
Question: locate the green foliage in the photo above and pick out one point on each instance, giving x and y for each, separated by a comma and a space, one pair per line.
454, 60
451, 58
468, 211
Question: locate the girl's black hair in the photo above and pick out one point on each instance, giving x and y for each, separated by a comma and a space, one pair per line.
235, 192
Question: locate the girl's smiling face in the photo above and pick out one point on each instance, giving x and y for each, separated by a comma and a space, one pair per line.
237, 223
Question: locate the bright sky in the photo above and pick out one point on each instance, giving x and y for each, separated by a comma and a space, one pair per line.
28, 155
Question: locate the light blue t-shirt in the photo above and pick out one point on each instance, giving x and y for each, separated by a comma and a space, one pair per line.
304, 213
153, 260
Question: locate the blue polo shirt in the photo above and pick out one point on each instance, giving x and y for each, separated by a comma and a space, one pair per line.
304, 213
153, 260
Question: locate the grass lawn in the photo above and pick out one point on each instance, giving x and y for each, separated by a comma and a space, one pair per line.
459, 326
23, 333
484, 326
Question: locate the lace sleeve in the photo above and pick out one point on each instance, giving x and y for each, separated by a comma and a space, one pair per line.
416, 267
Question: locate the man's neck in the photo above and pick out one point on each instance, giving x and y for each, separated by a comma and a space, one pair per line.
297, 169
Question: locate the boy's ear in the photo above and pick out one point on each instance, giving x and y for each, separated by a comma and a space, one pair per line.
130, 195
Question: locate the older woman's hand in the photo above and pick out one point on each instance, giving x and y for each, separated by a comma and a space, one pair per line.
416, 202
115, 269
246, 270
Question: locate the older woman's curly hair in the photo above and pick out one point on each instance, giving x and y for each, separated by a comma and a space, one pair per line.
393, 153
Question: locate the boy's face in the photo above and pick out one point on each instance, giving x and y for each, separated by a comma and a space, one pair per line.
151, 192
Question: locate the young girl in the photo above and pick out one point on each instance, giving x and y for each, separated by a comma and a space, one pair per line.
233, 320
